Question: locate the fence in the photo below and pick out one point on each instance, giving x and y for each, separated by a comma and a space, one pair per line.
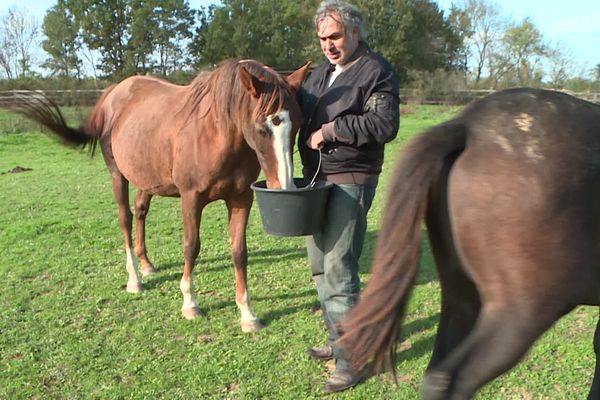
90, 96
61, 97
418, 96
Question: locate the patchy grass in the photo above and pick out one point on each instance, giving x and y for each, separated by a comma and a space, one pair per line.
69, 330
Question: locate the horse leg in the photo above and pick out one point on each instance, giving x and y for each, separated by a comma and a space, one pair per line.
595, 390
191, 208
502, 335
121, 192
120, 187
239, 209
142, 205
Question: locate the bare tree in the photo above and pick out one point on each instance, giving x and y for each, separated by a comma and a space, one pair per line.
560, 65
486, 28
19, 37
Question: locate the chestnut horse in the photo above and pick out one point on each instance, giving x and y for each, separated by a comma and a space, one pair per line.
510, 193
203, 142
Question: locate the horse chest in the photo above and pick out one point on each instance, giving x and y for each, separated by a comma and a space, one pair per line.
214, 168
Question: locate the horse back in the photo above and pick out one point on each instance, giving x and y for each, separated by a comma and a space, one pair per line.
531, 170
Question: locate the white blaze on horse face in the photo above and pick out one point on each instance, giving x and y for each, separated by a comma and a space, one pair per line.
280, 125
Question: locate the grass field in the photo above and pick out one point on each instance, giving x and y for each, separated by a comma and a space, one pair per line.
68, 329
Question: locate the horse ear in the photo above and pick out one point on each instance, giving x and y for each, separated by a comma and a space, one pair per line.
250, 82
296, 78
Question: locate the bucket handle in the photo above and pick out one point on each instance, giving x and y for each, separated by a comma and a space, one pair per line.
312, 182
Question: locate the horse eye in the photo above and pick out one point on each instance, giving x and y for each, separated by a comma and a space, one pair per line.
276, 120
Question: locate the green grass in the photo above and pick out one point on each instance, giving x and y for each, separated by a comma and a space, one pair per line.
68, 329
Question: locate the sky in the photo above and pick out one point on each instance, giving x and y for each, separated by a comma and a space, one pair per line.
574, 24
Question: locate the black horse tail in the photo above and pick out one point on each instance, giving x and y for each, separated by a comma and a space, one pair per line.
46, 112
371, 330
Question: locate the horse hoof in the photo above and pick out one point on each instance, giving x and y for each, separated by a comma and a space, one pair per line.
435, 386
191, 313
135, 288
251, 326
148, 270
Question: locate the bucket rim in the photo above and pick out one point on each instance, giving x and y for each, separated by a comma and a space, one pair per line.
318, 185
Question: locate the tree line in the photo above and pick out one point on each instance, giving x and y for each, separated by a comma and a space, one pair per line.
473, 45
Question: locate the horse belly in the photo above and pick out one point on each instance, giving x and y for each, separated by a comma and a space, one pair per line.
143, 154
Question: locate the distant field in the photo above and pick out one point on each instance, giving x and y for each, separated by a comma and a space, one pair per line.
68, 329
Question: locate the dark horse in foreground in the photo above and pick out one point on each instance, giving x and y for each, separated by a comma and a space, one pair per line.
510, 193
203, 142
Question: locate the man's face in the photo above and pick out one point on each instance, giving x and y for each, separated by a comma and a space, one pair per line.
337, 44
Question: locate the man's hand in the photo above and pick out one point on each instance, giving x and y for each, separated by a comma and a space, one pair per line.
315, 140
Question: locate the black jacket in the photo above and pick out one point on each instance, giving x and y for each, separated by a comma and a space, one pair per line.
359, 113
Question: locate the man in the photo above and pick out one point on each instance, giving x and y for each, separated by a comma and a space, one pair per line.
351, 109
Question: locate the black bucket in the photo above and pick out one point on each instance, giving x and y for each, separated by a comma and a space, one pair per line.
292, 212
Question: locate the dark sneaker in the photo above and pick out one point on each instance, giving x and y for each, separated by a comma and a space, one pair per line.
342, 380
321, 353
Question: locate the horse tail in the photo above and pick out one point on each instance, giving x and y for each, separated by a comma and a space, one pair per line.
46, 112
372, 327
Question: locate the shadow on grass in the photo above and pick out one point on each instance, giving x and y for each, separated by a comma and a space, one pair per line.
223, 261
422, 346
308, 301
426, 272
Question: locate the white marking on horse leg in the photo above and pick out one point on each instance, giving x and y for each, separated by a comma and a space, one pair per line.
134, 283
248, 321
282, 147
189, 309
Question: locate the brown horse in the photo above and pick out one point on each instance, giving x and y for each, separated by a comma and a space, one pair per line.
510, 193
202, 142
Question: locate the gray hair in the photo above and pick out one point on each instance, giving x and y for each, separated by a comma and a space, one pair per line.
350, 16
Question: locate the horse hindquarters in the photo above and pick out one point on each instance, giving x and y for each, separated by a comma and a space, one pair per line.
460, 301
513, 266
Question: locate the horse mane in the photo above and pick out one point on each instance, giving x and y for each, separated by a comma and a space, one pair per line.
227, 96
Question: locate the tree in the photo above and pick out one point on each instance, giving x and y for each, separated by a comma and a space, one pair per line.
196, 47
461, 24
412, 35
62, 41
142, 37
250, 29
560, 62
483, 34
19, 35
174, 20
433, 43
390, 24
524, 45
104, 27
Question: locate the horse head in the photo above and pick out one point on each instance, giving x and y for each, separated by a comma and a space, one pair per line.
276, 120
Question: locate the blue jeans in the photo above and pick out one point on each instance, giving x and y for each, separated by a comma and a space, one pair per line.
333, 255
